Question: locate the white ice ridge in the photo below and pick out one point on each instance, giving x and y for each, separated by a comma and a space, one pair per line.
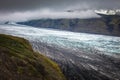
108, 12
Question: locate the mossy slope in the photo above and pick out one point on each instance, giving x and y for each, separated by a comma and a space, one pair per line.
18, 61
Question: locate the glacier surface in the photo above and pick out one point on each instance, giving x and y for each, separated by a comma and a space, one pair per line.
71, 40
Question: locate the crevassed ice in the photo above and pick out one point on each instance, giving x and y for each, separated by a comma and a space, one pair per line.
72, 40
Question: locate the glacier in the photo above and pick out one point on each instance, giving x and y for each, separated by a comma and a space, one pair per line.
66, 39
81, 56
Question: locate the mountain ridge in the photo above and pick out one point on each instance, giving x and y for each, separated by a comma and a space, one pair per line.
109, 25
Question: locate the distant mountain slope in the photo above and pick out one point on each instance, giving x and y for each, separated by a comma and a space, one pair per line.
19, 62
109, 25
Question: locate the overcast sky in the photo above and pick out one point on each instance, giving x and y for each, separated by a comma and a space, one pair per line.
27, 9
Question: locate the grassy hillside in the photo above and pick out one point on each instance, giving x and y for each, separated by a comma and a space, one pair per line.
18, 61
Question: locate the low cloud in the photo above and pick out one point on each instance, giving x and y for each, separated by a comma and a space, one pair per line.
45, 14
22, 10
23, 5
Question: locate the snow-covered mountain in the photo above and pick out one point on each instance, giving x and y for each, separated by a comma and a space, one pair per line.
100, 11
81, 56
108, 12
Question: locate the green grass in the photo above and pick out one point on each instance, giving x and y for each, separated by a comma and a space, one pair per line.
20, 61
